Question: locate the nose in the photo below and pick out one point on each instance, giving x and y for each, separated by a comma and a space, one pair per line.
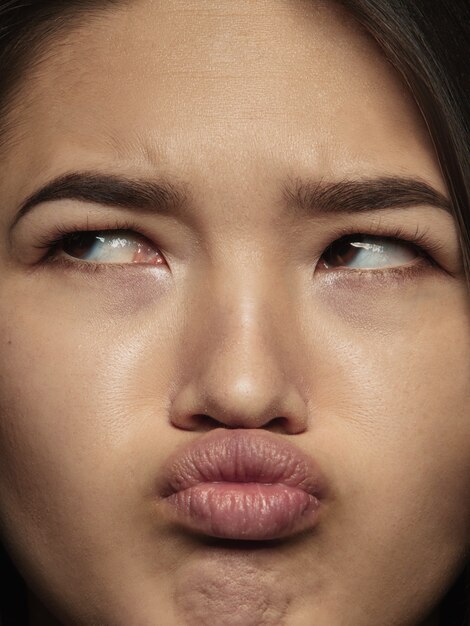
245, 356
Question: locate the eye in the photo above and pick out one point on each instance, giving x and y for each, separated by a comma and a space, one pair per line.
368, 252
118, 247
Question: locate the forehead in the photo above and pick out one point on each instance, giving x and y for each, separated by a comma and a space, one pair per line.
249, 86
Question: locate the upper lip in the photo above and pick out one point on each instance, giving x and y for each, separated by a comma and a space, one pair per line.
241, 455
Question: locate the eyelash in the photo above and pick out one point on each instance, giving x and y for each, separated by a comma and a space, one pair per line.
61, 234
421, 241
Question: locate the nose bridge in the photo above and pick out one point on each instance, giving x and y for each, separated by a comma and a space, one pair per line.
246, 306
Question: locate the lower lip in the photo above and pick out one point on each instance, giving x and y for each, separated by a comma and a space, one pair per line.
245, 510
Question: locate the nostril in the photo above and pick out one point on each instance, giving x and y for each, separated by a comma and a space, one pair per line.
204, 422
278, 425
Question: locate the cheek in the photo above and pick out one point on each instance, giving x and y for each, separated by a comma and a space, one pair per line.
401, 355
72, 397
391, 423
397, 434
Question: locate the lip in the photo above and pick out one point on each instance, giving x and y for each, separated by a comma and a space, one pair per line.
243, 484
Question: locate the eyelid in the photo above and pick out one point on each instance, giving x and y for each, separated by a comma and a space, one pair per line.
420, 238
62, 230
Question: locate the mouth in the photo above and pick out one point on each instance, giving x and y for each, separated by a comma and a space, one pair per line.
243, 484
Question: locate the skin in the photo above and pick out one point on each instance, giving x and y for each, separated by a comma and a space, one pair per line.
102, 375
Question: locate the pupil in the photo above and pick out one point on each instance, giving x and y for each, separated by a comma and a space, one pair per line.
78, 243
342, 250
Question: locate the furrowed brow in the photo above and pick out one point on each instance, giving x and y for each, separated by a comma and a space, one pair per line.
309, 198
146, 196
302, 198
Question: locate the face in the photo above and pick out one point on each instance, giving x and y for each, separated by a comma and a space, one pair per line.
228, 309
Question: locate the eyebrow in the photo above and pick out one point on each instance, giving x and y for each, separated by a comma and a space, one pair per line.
357, 196
301, 197
146, 196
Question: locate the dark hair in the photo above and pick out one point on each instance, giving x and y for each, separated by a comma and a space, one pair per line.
427, 41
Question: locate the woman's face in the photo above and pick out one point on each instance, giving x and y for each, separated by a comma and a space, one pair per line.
274, 124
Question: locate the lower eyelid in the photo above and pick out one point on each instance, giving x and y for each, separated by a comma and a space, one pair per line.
383, 277
89, 267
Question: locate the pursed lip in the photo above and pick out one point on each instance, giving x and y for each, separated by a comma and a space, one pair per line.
243, 484
242, 456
